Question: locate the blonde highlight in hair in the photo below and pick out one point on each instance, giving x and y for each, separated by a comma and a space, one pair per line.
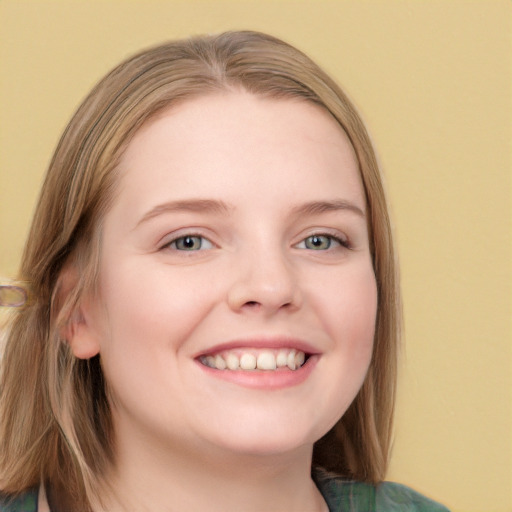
55, 421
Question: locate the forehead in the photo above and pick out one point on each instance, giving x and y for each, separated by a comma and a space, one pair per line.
211, 144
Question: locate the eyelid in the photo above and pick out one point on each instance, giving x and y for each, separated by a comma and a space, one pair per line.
173, 238
334, 235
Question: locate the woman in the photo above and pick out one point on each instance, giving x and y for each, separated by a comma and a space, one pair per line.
214, 312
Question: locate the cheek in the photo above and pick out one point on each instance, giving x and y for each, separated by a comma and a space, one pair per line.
148, 318
360, 311
357, 330
351, 324
147, 302
349, 308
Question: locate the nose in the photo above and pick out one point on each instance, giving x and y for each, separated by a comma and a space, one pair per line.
264, 281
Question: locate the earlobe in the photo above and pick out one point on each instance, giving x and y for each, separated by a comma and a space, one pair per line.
78, 329
80, 336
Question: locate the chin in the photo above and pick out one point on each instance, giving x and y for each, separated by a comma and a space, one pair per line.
268, 439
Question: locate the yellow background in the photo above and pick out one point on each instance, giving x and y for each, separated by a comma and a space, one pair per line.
432, 79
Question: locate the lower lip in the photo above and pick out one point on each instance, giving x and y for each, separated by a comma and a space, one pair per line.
264, 379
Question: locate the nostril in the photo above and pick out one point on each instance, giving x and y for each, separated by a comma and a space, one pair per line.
251, 303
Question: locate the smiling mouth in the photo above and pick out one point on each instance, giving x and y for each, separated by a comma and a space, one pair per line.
255, 359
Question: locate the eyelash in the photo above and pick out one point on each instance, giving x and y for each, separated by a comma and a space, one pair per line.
329, 237
184, 237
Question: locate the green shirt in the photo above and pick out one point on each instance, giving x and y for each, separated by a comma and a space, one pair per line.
340, 495
349, 496
26, 502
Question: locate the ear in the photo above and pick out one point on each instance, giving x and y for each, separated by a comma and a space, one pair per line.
79, 329
80, 335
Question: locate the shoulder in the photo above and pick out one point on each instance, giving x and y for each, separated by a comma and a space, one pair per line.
400, 498
26, 502
347, 495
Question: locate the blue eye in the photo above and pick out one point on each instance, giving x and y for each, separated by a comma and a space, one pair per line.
318, 242
321, 243
190, 243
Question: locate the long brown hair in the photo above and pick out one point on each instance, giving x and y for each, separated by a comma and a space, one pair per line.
55, 422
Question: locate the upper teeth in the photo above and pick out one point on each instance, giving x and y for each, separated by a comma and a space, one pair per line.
247, 359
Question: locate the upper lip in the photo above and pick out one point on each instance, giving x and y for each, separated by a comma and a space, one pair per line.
261, 343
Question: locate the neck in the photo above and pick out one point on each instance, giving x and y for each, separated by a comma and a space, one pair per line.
147, 480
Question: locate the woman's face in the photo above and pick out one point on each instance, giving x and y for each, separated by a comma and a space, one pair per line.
237, 237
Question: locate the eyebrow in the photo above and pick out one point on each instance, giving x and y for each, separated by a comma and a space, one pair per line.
222, 208
318, 207
188, 205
